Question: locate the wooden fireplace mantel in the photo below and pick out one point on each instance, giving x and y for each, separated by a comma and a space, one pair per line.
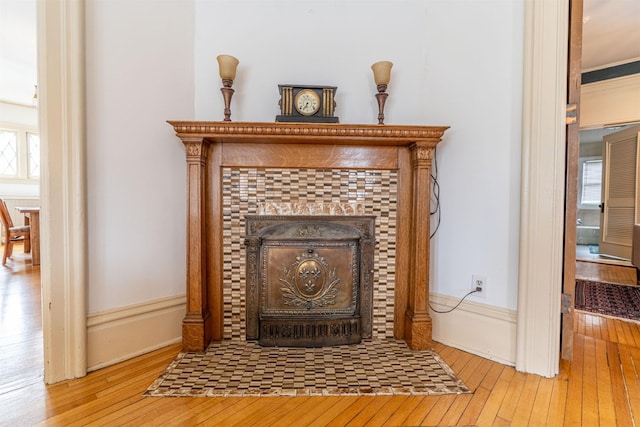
210, 146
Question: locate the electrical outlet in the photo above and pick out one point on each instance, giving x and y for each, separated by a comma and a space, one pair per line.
479, 284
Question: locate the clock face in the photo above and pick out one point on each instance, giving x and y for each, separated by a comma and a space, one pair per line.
307, 102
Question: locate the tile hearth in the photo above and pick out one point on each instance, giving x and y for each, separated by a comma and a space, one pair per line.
240, 368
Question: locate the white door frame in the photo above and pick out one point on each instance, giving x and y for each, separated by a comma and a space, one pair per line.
543, 188
63, 269
63, 192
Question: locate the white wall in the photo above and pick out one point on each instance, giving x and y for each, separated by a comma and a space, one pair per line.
610, 102
313, 42
475, 84
139, 67
18, 114
456, 63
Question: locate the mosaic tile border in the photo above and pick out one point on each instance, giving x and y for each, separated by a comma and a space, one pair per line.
248, 191
243, 368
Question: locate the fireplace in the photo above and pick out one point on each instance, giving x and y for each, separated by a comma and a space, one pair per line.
309, 279
212, 148
310, 192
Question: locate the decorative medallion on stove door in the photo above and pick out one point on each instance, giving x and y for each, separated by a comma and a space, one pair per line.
309, 281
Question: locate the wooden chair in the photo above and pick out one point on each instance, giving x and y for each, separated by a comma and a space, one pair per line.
12, 233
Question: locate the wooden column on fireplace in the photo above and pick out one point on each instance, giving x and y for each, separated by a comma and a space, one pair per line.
211, 146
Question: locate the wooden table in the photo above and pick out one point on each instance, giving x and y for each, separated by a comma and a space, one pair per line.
32, 219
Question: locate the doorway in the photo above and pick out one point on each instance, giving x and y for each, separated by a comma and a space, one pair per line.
20, 289
591, 200
592, 48
610, 90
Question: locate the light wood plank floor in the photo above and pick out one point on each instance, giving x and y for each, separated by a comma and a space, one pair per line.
600, 387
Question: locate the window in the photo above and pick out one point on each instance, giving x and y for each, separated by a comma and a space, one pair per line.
590, 193
19, 153
8, 153
33, 153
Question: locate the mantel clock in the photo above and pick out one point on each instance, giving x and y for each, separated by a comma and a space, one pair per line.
307, 104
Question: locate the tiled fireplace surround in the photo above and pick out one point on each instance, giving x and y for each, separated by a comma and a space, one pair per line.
236, 169
307, 192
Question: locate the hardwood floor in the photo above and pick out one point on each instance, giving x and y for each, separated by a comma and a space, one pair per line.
600, 387
21, 351
605, 273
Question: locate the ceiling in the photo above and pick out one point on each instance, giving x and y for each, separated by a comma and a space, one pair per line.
18, 74
611, 36
610, 33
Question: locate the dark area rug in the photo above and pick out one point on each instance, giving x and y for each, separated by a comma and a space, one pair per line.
240, 368
610, 299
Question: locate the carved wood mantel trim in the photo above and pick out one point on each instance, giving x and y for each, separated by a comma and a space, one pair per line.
417, 322
311, 133
213, 145
196, 326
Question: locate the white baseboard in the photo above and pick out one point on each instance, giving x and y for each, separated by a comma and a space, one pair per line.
123, 333
481, 329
